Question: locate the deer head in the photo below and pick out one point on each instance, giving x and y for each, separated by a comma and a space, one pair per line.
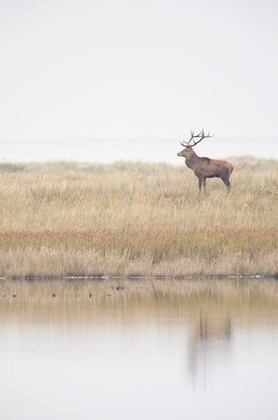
188, 147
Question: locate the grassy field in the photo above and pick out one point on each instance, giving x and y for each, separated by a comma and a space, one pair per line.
70, 219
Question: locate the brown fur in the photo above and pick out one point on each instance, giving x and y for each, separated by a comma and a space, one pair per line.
204, 167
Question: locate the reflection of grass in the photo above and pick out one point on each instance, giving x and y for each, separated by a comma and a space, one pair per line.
73, 300
137, 219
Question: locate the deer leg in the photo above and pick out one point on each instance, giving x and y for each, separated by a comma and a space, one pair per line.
200, 184
204, 184
227, 183
225, 175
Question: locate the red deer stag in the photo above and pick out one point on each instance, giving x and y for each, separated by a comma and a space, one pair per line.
204, 167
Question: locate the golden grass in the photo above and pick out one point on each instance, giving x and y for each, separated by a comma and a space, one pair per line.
60, 219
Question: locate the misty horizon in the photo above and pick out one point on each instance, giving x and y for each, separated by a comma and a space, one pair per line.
148, 150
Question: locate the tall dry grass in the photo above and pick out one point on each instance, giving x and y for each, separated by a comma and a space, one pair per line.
59, 219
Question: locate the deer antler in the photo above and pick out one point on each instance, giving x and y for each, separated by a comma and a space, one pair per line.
193, 136
203, 136
184, 144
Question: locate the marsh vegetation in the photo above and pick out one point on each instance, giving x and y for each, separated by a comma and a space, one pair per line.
133, 219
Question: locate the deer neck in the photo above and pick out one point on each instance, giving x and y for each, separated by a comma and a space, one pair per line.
191, 159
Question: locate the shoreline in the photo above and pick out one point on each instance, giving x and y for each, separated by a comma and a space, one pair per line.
142, 277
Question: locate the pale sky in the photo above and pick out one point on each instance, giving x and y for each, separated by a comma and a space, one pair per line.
138, 69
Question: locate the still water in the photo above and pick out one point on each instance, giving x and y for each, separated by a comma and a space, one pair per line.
148, 349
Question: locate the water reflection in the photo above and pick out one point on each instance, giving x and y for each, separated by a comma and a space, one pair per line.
138, 349
210, 343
